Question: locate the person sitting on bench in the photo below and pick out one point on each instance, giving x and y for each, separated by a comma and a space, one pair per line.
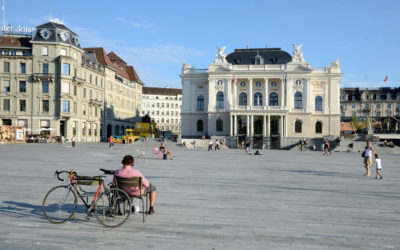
128, 172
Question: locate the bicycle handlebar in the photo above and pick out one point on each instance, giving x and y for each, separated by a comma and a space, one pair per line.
57, 173
106, 171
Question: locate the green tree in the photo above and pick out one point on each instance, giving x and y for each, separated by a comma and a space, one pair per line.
146, 118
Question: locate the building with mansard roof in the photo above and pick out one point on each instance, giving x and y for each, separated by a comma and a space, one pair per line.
264, 94
50, 85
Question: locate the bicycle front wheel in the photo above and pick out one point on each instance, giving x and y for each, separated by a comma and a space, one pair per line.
113, 207
59, 204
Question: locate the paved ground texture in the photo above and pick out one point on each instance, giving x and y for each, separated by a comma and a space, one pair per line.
209, 200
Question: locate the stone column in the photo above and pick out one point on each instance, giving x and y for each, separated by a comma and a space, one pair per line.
247, 126
251, 92
235, 125
227, 94
307, 95
281, 126
285, 131
264, 126
269, 125
252, 125
266, 92
234, 94
230, 125
282, 99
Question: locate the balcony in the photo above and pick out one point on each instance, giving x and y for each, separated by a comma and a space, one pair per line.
38, 77
95, 102
78, 80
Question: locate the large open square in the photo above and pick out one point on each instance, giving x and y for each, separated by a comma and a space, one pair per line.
209, 200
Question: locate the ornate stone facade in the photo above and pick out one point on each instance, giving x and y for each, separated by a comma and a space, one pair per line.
261, 94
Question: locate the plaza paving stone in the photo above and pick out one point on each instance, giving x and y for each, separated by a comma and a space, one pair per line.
209, 200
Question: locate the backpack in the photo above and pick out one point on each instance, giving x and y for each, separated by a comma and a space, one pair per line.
363, 155
165, 156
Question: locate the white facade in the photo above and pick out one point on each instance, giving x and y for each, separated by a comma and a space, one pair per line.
280, 102
163, 105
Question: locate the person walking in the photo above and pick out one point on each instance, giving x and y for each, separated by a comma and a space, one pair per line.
216, 145
210, 145
110, 140
73, 140
378, 166
367, 154
327, 148
248, 144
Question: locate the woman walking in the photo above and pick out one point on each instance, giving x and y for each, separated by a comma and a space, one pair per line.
369, 151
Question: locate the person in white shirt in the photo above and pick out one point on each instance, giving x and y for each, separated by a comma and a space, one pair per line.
378, 166
369, 151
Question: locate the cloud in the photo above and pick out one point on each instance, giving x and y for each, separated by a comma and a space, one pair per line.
92, 38
163, 53
134, 24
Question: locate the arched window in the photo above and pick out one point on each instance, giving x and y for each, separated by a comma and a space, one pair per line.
200, 102
273, 99
220, 125
298, 100
243, 99
298, 126
199, 125
318, 103
318, 127
258, 99
220, 99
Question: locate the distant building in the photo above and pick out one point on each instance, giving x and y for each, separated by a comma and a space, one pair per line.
50, 85
263, 94
378, 104
163, 105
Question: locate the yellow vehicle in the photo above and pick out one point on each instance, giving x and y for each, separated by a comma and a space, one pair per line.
146, 129
130, 135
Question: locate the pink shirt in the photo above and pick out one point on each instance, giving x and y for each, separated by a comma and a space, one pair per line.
128, 173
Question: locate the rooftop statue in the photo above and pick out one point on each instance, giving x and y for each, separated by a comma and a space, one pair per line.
335, 63
220, 57
298, 53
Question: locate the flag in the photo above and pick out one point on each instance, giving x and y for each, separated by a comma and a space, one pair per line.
386, 78
234, 78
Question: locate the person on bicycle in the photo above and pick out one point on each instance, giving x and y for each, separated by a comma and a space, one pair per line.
128, 172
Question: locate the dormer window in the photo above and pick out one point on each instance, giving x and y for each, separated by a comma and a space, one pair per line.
259, 60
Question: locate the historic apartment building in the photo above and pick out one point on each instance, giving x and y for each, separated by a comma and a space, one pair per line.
50, 85
163, 105
377, 104
261, 94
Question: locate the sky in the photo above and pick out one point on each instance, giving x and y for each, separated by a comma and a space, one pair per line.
157, 36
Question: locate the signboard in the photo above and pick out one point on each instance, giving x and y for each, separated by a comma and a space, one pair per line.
19, 135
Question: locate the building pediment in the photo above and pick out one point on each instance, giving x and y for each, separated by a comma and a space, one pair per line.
218, 69
299, 69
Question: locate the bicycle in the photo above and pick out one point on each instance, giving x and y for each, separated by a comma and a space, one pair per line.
111, 206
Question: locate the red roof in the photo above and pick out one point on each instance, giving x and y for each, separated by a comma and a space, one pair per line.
10, 41
101, 55
114, 61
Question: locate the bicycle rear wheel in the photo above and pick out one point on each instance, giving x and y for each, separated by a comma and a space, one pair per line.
59, 204
113, 207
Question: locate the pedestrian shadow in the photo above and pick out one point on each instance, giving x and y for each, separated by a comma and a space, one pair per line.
23, 210
311, 172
